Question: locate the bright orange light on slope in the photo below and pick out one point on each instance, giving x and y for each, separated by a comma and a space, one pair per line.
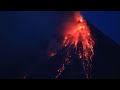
78, 33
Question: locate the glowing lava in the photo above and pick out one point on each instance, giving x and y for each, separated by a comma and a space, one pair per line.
78, 36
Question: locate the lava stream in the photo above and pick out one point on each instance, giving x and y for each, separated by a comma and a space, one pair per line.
79, 38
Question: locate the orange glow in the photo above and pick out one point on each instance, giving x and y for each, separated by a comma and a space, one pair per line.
80, 33
77, 35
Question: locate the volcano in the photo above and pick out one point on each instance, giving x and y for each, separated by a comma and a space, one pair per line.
106, 61
24, 54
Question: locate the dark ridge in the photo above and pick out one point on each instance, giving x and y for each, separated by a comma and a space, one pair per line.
106, 61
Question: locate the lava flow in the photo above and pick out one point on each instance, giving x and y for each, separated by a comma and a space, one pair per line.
77, 40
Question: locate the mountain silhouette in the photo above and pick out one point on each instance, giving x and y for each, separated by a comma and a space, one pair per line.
106, 61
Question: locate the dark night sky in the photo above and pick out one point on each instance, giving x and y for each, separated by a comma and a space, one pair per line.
22, 32
106, 21
17, 27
